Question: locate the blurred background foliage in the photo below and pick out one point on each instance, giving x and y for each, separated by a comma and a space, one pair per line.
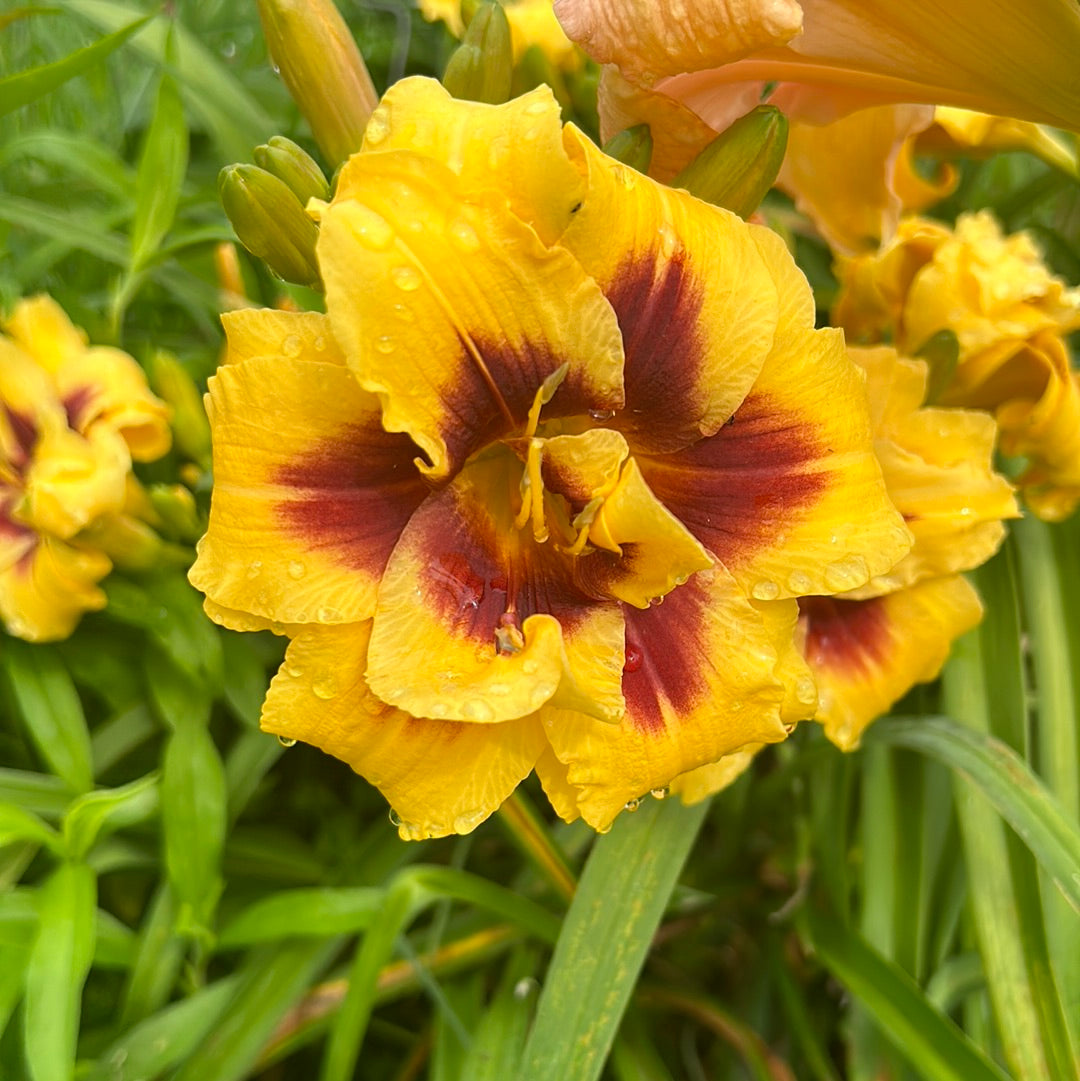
183, 897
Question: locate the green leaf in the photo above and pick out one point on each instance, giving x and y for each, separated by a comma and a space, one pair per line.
499, 1037
17, 824
41, 793
27, 86
76, 153
106, 810
308, 912
605, 936
157, 956
160, 173
1006, 781
50, 707
59, 962
935, 1046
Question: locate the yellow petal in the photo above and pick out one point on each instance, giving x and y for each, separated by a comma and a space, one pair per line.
103, 386
265, 332
788, 495
705, 781
494, 149
533, 25
647, 40
938, 469
695, 299
699, 684
310, 493
454, 314
477, 622
42, 329
44, 593
867, 654
439, 777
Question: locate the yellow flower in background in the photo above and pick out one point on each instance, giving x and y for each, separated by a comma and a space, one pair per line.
72, 417
532, 24
1009, 314
543, 487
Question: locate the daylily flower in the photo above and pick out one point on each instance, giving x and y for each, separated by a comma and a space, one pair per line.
548, 395
857, 83
71, 419
1009, 314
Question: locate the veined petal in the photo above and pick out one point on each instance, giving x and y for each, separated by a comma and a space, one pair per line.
454, 313
866, 654
705, 781
492, 148
45, 592
103, 386
439, 777
42, 329
310, 493
266, 332
788, 495
695, 299
648, 40
678, 133
477, 622
699, 683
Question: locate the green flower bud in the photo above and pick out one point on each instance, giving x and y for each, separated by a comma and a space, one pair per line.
132, 545
941, 351
179, 514
632, 146
191, 429
482, 66
739, 166
295, 166
320, 64
270, 222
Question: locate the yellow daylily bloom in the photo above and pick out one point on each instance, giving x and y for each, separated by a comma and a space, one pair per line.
542, 488
867, 647
71, 418
1009, 314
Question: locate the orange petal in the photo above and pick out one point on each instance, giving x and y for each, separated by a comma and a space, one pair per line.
439, 777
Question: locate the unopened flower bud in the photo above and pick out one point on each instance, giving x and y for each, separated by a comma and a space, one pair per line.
739, 166
176, 507
270, 222
295, 166
191, 429
482, 66
941, 351
632, 146
132, 545
323, 70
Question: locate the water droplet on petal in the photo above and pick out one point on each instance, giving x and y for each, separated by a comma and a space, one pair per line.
254, 569
292, 345
669, 240
384, 344
286, 742
530, 667
396, 819
799, 583
404, 313
765, 591
378, 126
537, 108
789, 727
634, 658
406, 278
541, 693
476, 709
806, 691
660, 793
372, 230
631, 805
297, 569
846, 574
601, 414
325, 686
464, 237
466, 823
326, 614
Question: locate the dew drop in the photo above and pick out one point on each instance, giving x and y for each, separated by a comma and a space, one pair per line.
325, 686
404, 313
846, 573
286, 741
530, 667
542, 692
406, 278
297, 569
530, 134
806, 691
627, 178
631, 805
500, 690
467, 822
396, 819
326, 614
765, 591
378, 127
660, 793
372, 230
601, 414
800, 583
293, 671
318, 344
254, 569
476, 709
524, 987
603, 829
384, 343
464, 237
292, 345
537, 108
669, 241
634, 659
498, 153
789, 727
